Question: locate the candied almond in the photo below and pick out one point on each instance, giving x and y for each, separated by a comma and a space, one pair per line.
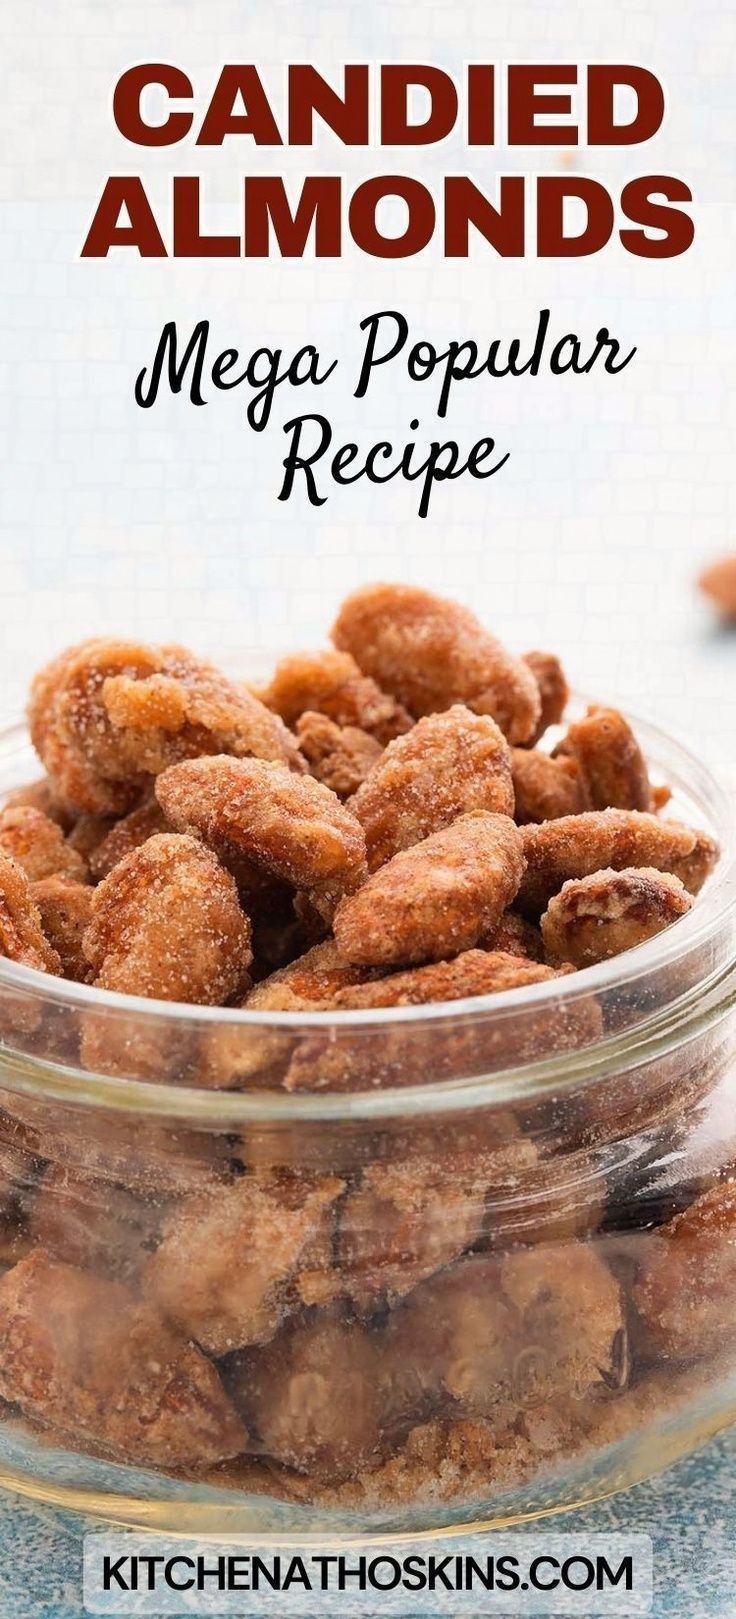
65, 908
406, 1220
166, 924
612, 765
435, 899
38, 845
448, 764
579, 845
312, 1398
354, 1059
499, 1333
453, 1339
545, 788
234, 1056
473, 972
107, 715
684, 1292
21, 934
572, 1320
331, 683
39, 795
146, 1156
290, 825
718, 583
341, 756
593, 918
430, 653
94, 1224
125, 835
514, 936
227, 1267
315, 978
83, 1355
554, 692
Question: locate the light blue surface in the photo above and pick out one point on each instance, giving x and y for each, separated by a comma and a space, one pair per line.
690, 1512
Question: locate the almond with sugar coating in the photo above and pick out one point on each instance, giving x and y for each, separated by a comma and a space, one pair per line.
594, 918
65, 908
341, 756
408, 1219
430, 653
579, 845
514, 936
166, 924
22, 937
290, 825
125, 835
554, 692
228, 1266
407, 1053
435, 899
148, 1157
313, 1397
234, 1057
498, 1333
546, 788
718, 583
39, 795
473, 972
331, 683
95, 1224
685, 1289
107, 715
612, 765
448, 764
38, 845
83, 1355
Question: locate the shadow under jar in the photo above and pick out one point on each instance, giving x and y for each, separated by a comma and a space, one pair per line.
373, 1272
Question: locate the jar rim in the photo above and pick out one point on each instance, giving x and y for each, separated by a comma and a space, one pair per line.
713, 908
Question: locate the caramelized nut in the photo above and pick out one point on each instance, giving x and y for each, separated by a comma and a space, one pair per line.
331, 683
37, 844
579, 845
546, 788
107, 715
593, 918
227, 1268
125, 835
554, 692
339, 756
430, 653
65, 909
718, 583
21, 934
685, 1289
289, 825
448, 764
612, 766
435, 899
83, 1355
166, 924
313, 1397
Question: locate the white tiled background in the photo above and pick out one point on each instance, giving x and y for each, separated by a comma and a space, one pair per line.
166, 522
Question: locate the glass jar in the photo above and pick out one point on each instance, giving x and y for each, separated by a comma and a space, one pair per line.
372, 1272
